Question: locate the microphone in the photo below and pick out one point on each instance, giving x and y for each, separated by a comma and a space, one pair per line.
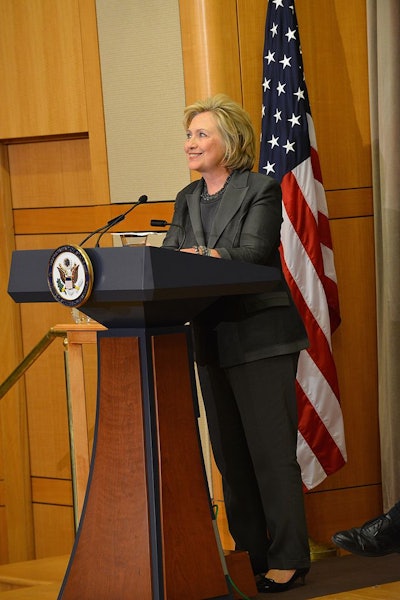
162, 223
102, 230
120, 218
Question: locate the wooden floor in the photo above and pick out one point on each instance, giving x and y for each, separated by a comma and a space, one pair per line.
41, 580
387, 591
33, 580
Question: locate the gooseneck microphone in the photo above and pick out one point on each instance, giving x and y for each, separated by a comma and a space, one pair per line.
120, 218
102, 230
162, 223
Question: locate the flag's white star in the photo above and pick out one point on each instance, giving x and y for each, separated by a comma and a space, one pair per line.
299, 94
273, 141
277, 115
291, 34
266, 83
294, 120
270, 57
277, 3
281, 88
289, 146
263, 111
269, 167
286, 61
274, 29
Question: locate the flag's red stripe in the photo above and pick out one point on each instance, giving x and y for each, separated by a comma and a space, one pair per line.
312, 235
319, 348
332, 296
317, 436
303, 221
324, 231
311, 427
316, 166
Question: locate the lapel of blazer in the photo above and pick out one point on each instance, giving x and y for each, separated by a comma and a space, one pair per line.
230, 204
193, 202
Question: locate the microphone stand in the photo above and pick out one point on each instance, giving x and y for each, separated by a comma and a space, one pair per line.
120, 218
93, 233
162, 223
102, 230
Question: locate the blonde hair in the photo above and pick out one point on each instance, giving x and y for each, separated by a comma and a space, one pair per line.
234, 125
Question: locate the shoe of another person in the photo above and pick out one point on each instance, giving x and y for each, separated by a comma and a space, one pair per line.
377, 537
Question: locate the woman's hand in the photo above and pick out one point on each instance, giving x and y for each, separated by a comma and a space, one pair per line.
200, 250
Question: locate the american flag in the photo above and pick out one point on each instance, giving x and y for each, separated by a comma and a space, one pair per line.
288, 153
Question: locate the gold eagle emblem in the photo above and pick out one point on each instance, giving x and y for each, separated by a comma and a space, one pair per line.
68, 273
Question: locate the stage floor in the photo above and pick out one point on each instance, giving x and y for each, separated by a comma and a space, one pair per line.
41, 579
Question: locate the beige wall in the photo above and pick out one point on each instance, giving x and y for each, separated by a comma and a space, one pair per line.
143, 93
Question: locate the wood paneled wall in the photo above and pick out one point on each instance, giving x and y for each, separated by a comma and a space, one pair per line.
54, 188
16, 523
53, 154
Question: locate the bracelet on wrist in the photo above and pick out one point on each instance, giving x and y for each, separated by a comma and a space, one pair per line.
202, 250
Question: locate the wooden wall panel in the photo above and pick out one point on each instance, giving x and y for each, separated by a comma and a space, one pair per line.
207, 26
17, 492
353, 494
84, 219
54, 529
348, 203
15, 470
47, 405
41, 69
251, 23
3, 535
49, 59
340, 509
51, 491
355, 351
334, 43
51, 173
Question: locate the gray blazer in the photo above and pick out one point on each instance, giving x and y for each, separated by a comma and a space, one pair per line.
246, 228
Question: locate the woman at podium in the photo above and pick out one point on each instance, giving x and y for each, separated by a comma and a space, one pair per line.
246, 347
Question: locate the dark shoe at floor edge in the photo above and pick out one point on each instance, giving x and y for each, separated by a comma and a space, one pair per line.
269, 586
377, 537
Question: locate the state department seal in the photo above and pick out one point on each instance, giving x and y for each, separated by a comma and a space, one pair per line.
70, 275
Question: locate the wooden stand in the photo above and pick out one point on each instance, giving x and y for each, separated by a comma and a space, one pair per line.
146, 529
76, 336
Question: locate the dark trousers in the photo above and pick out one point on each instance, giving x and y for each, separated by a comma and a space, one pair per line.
252, 419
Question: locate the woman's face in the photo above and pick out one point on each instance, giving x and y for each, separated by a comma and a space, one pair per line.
204, 145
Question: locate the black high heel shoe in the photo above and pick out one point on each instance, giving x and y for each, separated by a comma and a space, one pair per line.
269, 586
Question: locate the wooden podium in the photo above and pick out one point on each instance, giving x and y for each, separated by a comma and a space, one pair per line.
147, 529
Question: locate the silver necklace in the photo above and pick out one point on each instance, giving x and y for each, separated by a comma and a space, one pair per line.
218, 195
